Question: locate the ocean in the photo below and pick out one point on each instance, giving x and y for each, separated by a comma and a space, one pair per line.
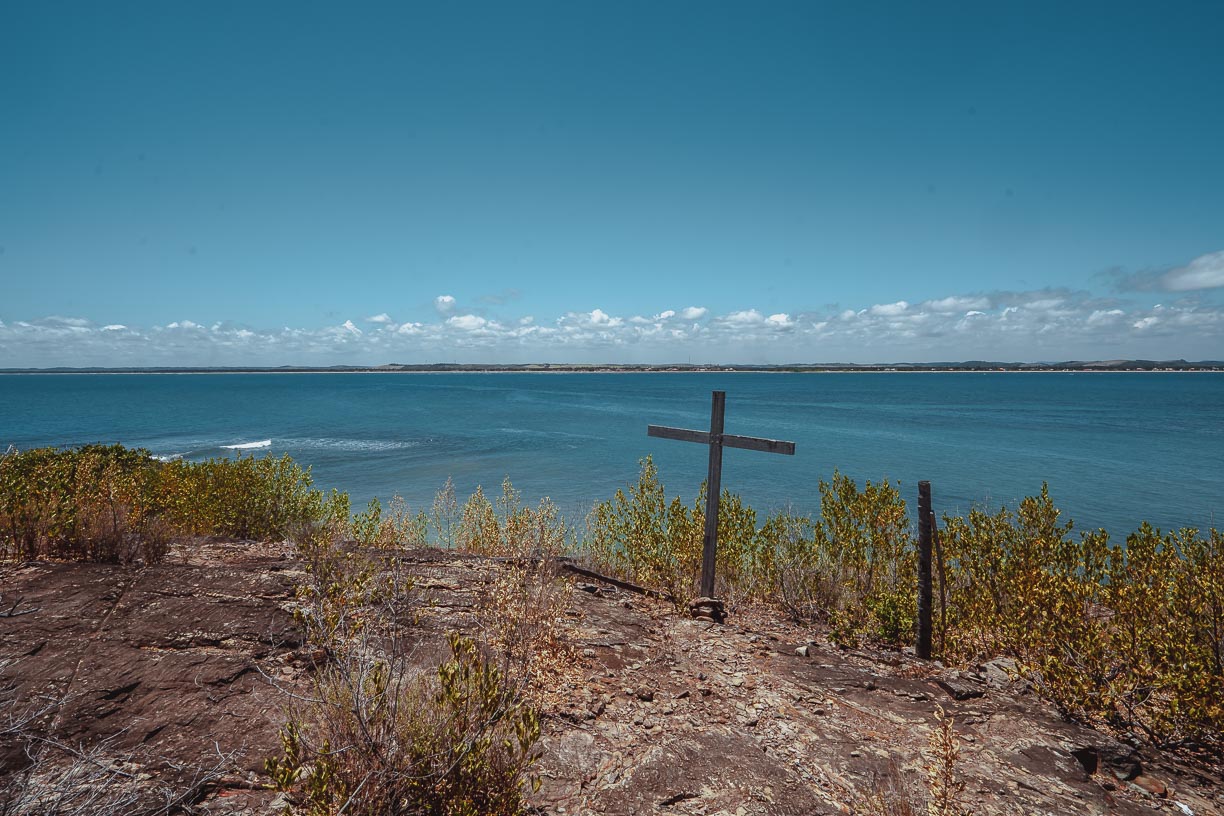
1115, 448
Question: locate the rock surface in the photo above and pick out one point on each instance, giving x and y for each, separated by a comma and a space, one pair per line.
663, 714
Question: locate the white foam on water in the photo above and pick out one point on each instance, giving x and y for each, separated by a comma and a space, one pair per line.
167, 457
351, 445
266, 443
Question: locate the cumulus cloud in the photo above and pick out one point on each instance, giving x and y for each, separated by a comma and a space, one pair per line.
955, 303
383, 318
445, 304
693, 312
1204, 272
889, 309
1025, 325
743, 317
57, 320
467, 322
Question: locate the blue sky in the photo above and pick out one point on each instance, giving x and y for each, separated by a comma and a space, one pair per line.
297, 183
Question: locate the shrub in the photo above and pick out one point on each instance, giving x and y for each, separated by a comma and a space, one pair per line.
92, 503
110, 503
1129, 636
457, 743
853, 567
645, 538
510, 529
240, 498
377, 735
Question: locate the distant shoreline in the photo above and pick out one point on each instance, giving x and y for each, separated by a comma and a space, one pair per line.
1071, 367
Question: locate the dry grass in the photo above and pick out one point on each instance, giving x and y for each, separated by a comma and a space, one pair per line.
897, 795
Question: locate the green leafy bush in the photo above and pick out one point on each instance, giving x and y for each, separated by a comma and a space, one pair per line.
110, 503
94, 503
509, 529
242, 498
1129, 636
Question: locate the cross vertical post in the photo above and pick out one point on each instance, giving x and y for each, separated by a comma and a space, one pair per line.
709, 545
708, 605
922, 647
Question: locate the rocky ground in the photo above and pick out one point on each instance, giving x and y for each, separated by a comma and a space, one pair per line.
163, 683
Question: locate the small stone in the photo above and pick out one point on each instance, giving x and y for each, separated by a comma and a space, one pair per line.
856, 753
1151, 785
959, 688
645, 695
802, 651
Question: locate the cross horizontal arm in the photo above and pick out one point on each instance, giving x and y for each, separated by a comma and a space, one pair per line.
683, 434
758, 444
728, 440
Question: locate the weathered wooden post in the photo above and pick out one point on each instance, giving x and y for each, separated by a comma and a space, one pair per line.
923, 646
709, 550
707, 605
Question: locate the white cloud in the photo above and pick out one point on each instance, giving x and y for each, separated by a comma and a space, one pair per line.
1204, 272
380, 318
467, 322
1033, 325
889, 309
957, 304
75, 322
1100, 316
445, 304
693, 312
781, 320
744, 317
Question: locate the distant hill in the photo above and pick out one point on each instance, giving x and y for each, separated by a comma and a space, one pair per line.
965, 365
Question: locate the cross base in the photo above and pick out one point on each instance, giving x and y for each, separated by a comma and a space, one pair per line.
708, 609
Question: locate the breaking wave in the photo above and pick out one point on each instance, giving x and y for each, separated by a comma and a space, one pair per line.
266, 443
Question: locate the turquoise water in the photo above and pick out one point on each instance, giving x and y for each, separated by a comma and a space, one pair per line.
1115, 448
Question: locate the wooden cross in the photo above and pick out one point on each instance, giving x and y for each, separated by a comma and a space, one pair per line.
717, 440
